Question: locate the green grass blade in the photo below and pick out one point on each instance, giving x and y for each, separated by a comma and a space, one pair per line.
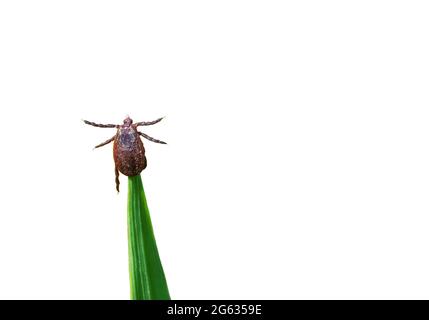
147, 279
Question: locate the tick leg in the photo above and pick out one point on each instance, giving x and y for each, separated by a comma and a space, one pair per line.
151, 139
117, 178
101, 125
105, 142
148, 123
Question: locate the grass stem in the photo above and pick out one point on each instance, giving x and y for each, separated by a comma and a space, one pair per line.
147, 279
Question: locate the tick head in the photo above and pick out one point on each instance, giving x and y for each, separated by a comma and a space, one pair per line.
128, 121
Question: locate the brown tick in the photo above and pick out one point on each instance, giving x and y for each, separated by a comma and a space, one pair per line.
128, 149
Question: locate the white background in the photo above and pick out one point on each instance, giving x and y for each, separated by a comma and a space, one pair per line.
297, 163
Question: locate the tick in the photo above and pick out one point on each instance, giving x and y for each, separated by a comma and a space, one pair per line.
128, 149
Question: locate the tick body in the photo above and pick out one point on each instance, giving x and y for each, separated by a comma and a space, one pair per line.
128, 149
